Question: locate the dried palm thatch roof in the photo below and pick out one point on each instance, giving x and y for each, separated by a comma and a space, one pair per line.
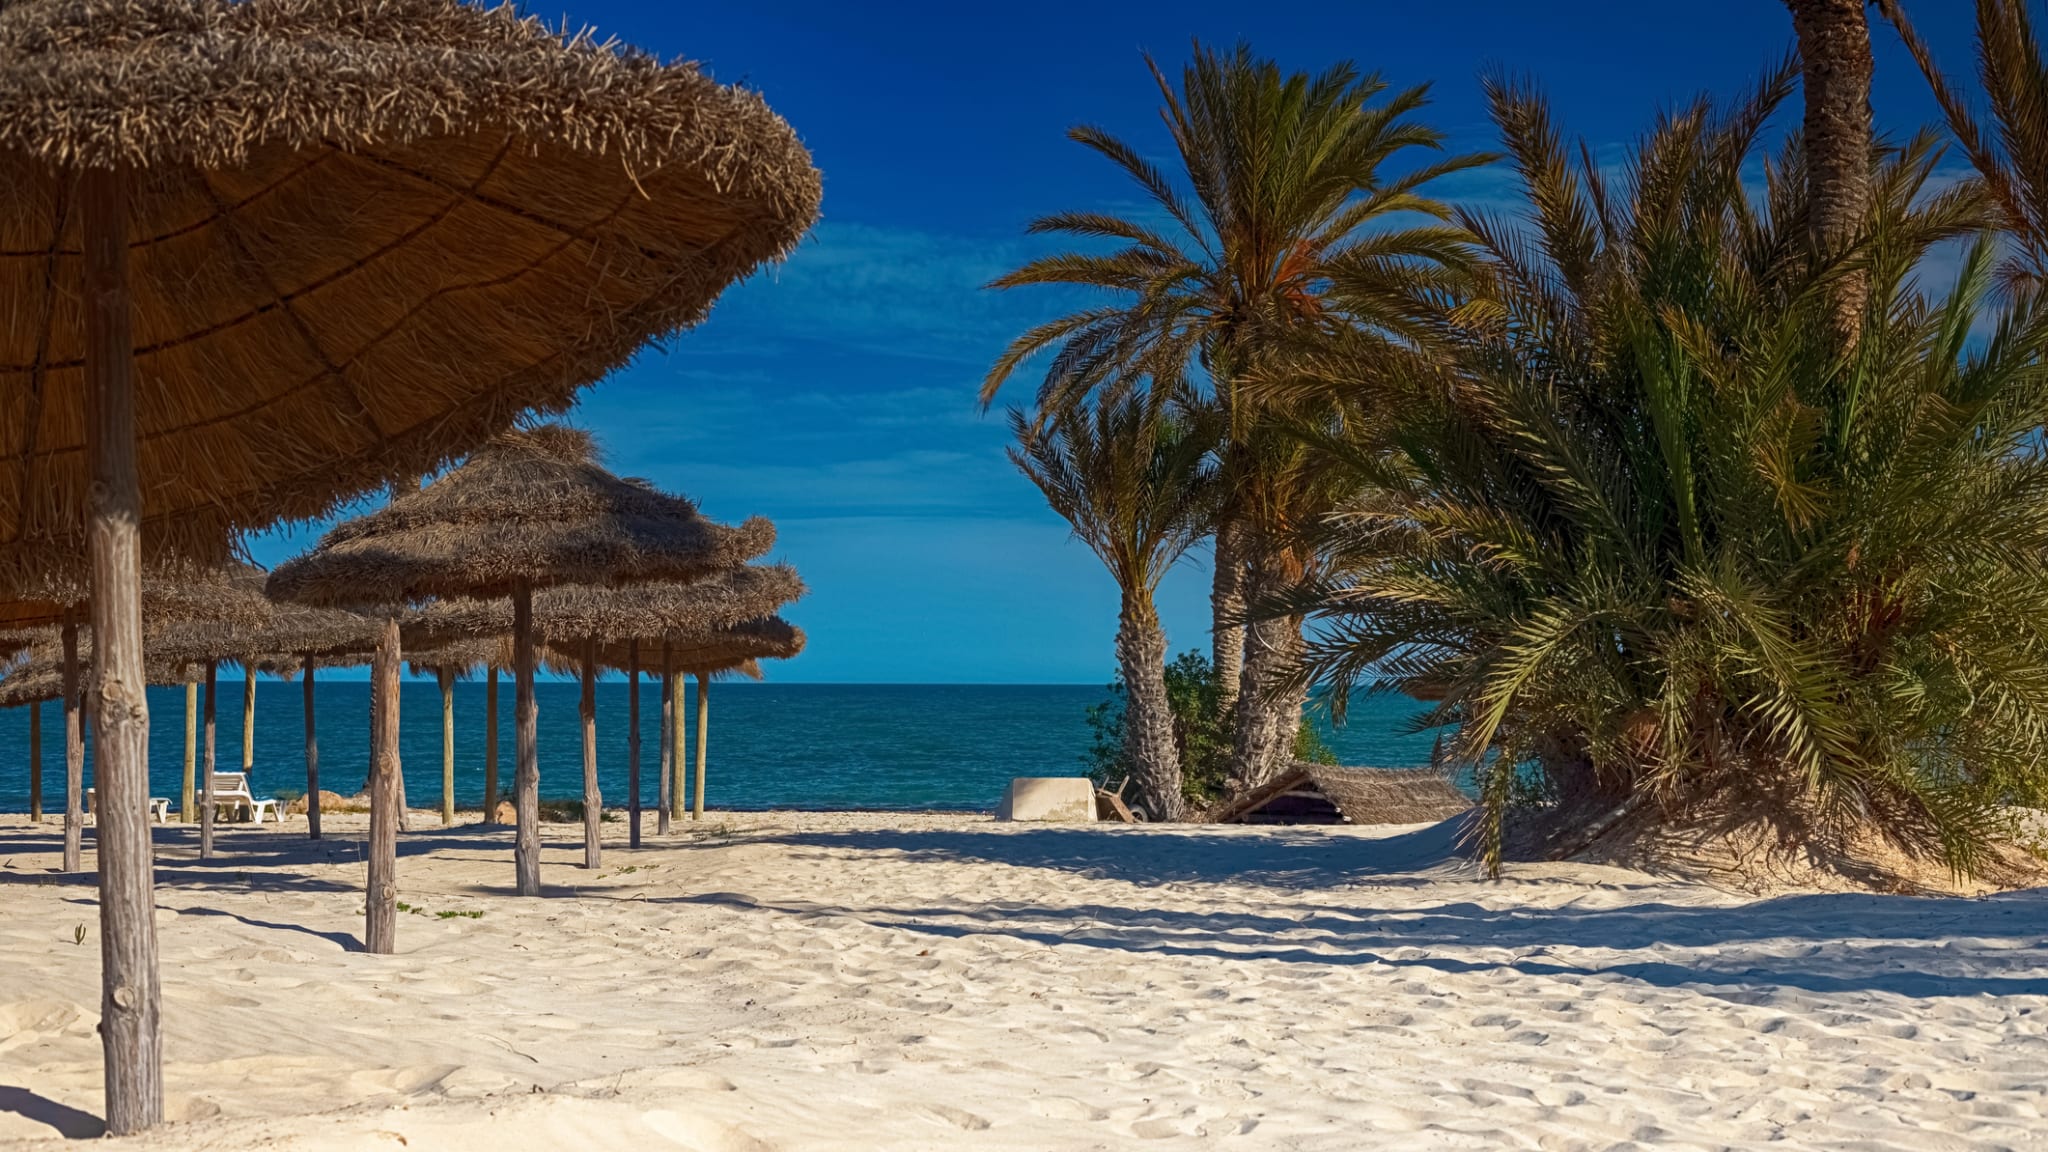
701, 653
1324, 793
572, 612
36, 672
176, 591
192, 618
532, 505
365, 236
464, 657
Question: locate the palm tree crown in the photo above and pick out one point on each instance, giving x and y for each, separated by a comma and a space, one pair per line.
1283, 191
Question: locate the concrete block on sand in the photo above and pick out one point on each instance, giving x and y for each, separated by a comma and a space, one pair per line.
1059, 799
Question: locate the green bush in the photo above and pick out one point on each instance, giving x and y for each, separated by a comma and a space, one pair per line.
1201, 732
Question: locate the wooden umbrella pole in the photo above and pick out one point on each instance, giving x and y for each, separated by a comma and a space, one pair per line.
188, 810
447, 678
248, 718
526, 772
633, 740
206, 812
312, 759
667, 788
703, 730
130, 1029
676, 734
380, 904
74, 753
593, 803
35, 762
491, 746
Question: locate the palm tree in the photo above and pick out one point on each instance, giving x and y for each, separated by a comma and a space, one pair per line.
1135, 484
1283, 187
1655, 532
1835, 70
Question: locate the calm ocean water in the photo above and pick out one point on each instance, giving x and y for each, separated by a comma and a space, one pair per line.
771, 745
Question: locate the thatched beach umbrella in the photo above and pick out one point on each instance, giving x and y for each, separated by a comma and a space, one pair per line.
448, 663
173, 596
709, 655
448, 660
575, 621
531, 510
342, 240
197, 623
309, 639
259, 635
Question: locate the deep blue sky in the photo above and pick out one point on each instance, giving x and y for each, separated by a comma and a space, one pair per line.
836, 394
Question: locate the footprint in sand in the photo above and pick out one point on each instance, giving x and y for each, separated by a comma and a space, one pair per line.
945, 1114
699, 1134
1067, 1108
691, 1079
409, 1081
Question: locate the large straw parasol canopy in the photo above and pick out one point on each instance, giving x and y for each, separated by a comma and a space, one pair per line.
364, 236
191, 618
258, 256
712, 650
645, 612
531, 507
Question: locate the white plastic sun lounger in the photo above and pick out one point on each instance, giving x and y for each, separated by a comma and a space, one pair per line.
231, 790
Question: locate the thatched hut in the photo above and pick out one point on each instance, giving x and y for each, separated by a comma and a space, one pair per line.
1328, 794
531, 510
344, 240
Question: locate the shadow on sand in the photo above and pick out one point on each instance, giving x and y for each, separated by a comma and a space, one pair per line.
1750, 951
1819, 942
69, 1122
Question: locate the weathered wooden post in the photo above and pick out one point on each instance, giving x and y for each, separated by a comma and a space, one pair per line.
188, 807
130, 1000
491, 746
447, 678
248, 718
312, 759
593, 803
671, 777
74, 753
526, 777
677, 733
380, 902
633, 740
206, 812
703, 731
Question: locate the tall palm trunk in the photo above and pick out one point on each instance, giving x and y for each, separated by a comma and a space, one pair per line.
1268, 709
1835, 68
1148, 718
1226, 608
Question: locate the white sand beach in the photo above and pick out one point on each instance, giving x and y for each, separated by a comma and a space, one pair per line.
847, 981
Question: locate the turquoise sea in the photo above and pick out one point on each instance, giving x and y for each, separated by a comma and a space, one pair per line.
828, 746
